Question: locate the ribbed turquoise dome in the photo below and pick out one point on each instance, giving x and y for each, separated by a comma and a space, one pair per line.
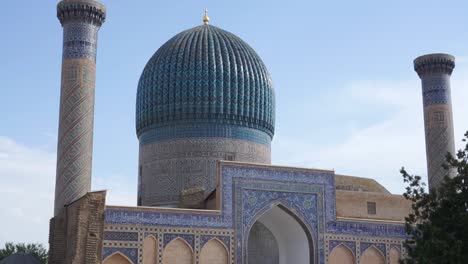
205, 75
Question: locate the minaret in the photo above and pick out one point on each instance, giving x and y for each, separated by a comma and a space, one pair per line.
434, 71
81, 20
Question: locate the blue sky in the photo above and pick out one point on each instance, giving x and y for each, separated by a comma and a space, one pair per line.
347, 96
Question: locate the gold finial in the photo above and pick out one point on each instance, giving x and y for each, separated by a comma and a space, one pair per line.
206, 19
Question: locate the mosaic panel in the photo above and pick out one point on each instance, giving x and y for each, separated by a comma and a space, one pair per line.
366, 229
80, 40
208, 75
350, 244
247, 191
436, 89
203, 130
379, 246
225, 239
190, 239
121, 236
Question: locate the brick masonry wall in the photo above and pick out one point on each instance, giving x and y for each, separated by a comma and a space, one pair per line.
76, 233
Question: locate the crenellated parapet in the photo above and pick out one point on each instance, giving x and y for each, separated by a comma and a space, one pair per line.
82, 10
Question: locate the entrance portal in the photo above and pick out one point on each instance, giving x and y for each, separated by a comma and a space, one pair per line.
279, 237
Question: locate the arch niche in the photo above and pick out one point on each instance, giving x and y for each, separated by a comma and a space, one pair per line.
372, 256
177, 252
341, 255
214, 252
278, 236
394, 256
150, 249
117, 258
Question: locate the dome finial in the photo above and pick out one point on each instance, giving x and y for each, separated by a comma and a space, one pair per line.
206, 19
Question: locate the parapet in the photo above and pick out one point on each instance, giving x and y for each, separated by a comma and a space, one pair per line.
437, 63
88, 10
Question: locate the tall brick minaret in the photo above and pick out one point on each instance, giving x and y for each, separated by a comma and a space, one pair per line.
81, 20
435, 71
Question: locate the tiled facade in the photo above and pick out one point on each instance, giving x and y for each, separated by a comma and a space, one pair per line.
170, 166
206, 96
247, 191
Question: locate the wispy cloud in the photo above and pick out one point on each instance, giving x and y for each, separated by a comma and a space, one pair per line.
27, 178
379, 149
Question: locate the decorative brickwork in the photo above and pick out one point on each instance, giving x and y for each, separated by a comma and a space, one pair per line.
81, 20
170, 166
76, 233
434, 71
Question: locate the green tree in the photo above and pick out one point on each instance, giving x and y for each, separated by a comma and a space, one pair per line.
438, 226
35, 249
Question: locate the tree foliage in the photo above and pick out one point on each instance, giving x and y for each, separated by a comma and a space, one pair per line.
35, 249
438, 226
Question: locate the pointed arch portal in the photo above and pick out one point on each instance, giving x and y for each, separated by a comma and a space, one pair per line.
280, 237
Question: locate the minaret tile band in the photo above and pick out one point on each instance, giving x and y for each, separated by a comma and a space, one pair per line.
435, 71
81, 20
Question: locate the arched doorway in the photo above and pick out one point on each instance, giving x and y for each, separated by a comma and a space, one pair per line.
281, 236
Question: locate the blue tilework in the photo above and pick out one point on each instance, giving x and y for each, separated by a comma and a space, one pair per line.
350, 244
120, 236
367, 229
224, 220
79, 40
206, 73
257, 199
225, 239
203, 130
247, 192
397, 246
436, 89
131, 253
190, 239
379, 246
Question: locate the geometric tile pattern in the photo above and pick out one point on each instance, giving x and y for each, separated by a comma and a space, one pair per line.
366, 229
205, 74
434, 71
190, 239
379, 246
170, 166
203, 130
349, 244
248, 191
121, 236
225, 239
81, 22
